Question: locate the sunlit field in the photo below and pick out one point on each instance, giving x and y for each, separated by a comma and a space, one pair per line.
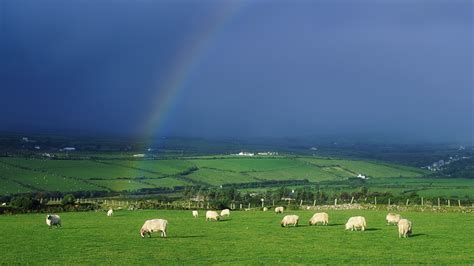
18, 175
251, 237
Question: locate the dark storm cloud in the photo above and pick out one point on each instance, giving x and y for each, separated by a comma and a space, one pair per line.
274, 69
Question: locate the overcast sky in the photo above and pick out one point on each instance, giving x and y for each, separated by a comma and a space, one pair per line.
242, 69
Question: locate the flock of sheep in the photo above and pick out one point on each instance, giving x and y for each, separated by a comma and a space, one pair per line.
354, 223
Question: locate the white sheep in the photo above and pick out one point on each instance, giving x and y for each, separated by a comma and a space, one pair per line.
53, 220
404, 228
154, 225
195, 214
225, 212
212, 216
290, 220
279, 209
320, 217
265, 209
392, 218
356, 222
110, 212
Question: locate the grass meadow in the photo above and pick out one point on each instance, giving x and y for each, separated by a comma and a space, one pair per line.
251, 237
18, 175
21, 175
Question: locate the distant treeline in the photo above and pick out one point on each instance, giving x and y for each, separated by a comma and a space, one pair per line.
216, 197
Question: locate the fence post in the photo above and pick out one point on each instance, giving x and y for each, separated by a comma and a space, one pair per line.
388, 202
273, 203
421, 201
439, 203
314, 203
408, 200
449, 203
459, 203
335, 202
241, 206
249, 206
301, 203
352, 200
375, 200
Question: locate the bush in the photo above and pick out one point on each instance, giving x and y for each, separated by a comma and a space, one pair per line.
25, 203
68, 199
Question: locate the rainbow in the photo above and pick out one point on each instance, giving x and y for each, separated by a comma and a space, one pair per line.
187, 59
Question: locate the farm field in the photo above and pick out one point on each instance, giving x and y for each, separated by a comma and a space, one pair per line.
252, 237
21, 175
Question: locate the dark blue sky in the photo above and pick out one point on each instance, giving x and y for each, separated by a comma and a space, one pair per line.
288, 68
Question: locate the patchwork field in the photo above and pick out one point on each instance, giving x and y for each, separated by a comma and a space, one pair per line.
252, 237
18, 175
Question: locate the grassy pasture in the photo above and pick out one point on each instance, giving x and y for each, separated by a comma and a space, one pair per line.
23, 174
245, 238
371, 169
162, 167
39, 180
83, 169
219, 177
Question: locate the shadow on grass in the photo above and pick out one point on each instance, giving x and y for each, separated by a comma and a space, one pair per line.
372, 229
334, 225
187, 236
415, 235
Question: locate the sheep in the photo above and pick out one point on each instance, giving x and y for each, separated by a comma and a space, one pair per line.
53, 220
356, 222
279, 209
392, 218
265, 209
404, 228
225, 212
154, 225
212, 216
290, 220
110, 212
195, 214
320, 217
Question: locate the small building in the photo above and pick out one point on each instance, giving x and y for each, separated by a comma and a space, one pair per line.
139, 155
267, 153
245, 153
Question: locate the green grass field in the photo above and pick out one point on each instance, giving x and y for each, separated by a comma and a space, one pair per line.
252, 237
19, 175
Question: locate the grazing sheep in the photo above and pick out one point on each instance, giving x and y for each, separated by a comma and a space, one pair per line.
195, 214
404, 228
320, 217
356, 222
53, 220
110, 212
212, 216
279, 209
225, 212
290, 220
393, 218
4, 204
265, 209
154, 225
